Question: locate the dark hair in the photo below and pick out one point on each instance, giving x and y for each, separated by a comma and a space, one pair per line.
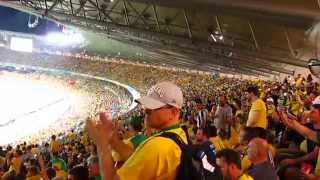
198, 100
19, 152
51, 173
230, 156
210, 131
53, 137
79, 173
253, 89
254, 132
33, 170
137, 123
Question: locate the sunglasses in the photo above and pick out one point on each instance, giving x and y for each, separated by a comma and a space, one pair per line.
149, 111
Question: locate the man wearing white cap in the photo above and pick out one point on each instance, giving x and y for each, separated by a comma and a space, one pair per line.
157, 158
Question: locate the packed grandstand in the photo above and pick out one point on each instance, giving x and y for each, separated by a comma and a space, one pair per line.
257, 129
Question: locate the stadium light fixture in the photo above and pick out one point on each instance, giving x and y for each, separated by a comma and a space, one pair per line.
64, 39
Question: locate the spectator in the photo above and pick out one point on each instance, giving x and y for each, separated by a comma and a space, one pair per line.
17, 161
33, 173
162, 106
59, 165
258, 155
258, 112
93, 168
223, 115
55, 144
202, 114
51, 173
230, 165
78, 173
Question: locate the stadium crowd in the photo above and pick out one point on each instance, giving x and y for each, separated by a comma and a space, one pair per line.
234, 129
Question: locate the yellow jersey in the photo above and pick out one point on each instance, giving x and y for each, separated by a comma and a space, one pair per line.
55, 146
16, 163
157, 158
245, 177
36, 177
218, 143
260, 107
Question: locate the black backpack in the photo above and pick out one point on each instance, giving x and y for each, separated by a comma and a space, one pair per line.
195, 163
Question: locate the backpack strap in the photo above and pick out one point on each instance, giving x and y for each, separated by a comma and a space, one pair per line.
174, 137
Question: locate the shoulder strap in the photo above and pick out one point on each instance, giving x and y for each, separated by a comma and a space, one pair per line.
174, 137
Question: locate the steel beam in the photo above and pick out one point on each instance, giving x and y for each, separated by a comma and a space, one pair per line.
156, 17
99, 13
257, 10
219, 27
136, 12
126, 12
253, 35
140, 15
286, 32
187, 23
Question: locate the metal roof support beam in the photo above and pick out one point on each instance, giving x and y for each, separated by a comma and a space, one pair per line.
46, 4
99, 11
126, 12
187, 23
82, 3
253, 35
71, 6
84, 15
219, 26
156, 16
52, 6
111, 9
286, 32
138, 14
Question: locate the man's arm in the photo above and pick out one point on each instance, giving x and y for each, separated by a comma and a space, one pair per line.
106, 163
294, 124
253, 118
119, 146
101, 132
308, 157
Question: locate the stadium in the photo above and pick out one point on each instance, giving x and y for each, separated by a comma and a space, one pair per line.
159, 90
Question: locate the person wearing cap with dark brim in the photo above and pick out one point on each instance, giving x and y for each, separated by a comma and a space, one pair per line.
258, 112
157, 157
292, 122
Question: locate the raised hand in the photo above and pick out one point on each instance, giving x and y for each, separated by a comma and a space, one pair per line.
100, 129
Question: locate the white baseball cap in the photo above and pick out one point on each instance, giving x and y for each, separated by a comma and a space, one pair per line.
161, 94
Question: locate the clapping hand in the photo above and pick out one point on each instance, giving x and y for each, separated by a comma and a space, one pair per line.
100, 129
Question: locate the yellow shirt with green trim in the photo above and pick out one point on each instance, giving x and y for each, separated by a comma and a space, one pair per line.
157, 158
260, 107
218, 143
245, 177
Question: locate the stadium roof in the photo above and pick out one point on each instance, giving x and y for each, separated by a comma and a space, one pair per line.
241, 36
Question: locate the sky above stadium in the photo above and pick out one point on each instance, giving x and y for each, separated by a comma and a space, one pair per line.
17, 21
